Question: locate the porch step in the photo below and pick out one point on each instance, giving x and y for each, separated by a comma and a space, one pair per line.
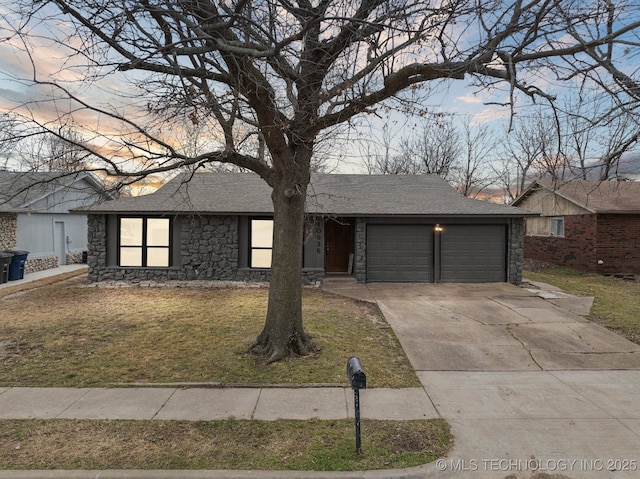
339, 279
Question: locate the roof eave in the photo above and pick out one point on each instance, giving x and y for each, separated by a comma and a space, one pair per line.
313, 213
617, 212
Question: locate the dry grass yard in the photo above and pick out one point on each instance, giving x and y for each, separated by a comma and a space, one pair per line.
65, 334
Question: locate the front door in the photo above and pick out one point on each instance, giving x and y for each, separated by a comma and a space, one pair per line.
60, 243
338, 247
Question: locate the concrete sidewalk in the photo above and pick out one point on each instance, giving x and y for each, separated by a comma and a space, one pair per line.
205, 404
48, 273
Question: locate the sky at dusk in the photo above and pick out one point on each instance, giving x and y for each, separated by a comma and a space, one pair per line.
46, 61
51, 61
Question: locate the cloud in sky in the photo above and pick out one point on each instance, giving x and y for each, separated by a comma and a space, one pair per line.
469, 99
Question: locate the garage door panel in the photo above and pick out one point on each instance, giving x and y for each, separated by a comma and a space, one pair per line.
473, 253
399, 253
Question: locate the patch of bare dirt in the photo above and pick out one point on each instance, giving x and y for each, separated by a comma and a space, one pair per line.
530, 264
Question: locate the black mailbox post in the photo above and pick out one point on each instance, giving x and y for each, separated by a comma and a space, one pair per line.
357, 377
357, 380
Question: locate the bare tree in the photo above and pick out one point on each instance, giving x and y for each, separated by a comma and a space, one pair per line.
527, 153
65, 153
7, 139
433, 146
471, 174
290, 70
382, 158
440, 145
585, 138
620, 136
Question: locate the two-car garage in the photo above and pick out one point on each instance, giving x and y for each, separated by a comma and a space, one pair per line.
455, 253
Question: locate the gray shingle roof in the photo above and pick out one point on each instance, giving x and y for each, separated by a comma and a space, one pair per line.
621, 197
344, 195
20, 190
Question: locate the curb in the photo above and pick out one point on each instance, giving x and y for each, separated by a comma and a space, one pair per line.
425, 471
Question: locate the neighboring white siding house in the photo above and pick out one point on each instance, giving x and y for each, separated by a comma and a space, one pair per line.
40, 203
52, 236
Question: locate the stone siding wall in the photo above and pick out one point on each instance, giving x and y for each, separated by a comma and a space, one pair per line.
33, 265
209, 248
361, 251
8, 231
77, 257
577, 249
97, 253
208, 251
516, 250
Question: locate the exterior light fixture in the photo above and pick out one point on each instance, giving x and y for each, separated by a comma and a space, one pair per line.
438, 228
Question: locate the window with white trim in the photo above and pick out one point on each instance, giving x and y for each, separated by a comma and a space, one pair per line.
557, 226
261, 242
144, 242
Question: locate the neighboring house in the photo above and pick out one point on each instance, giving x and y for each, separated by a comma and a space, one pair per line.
218, 226
589, 226
34, 216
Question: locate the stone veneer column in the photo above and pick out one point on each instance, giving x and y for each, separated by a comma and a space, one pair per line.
516, 250
361, 250
8, 231
97, 253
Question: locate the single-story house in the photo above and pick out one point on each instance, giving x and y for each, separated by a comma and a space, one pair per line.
587, 225
35, 217
218, 226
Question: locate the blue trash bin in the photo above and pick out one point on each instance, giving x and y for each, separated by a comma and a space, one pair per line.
16, 267
5, 262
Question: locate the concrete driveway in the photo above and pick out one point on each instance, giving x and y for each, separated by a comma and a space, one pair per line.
527, 385
498, 327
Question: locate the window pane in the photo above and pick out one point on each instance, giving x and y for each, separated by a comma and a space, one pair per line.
158, 257
130, 256
261, 258
131, 231
157, 231
261, 234
557, 226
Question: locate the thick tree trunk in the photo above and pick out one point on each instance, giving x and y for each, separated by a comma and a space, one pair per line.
283, 334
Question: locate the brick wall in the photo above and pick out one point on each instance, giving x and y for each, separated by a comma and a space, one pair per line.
576, 250
618, 244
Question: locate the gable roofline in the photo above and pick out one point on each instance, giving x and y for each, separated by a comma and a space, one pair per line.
33, 187
539, 185
327, 194
603, 197
74, 178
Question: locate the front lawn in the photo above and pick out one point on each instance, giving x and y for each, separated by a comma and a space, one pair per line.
68, 335
65, 334
616, 304
262, 445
